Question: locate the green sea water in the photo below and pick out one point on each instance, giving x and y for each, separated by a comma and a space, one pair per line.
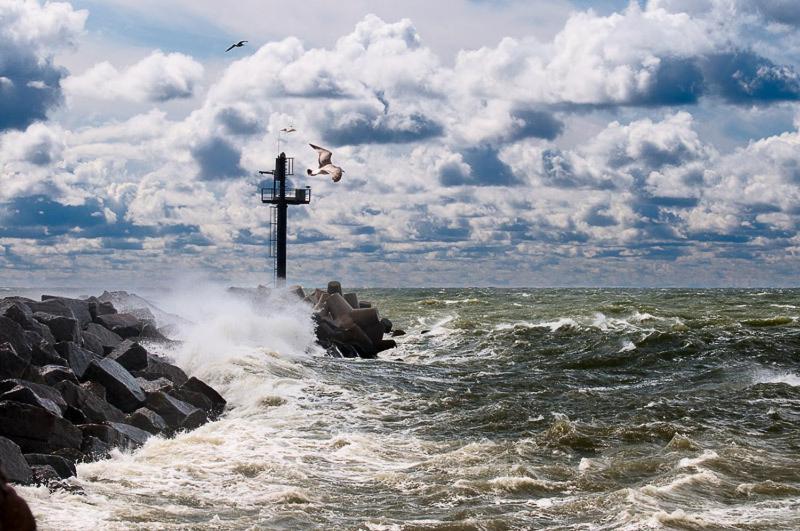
499, 409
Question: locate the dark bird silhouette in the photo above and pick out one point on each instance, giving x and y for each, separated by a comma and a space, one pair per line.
289, 129
325, 165
237, 45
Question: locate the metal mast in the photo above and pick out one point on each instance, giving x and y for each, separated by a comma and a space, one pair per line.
281, 198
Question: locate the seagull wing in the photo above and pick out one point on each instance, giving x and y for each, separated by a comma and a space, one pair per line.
324, 155
231, 47
241, 43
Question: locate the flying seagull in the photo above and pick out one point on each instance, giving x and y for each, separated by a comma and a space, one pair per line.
237, 45
325, 165
289, 129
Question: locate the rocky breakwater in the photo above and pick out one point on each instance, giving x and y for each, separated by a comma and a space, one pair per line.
347, 327
77, 379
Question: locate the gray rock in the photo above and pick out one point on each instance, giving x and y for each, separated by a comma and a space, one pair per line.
122, 324
116, 434
159, 384
92, 343
352, 299
39, 392
77, 357
62, 328
130, 355
79, 308
45, 475
52, 374
25, 395
94, 448
121, 387
198, 386
11, 364
147, 420
54, 307
96, 389
36, 430
158, 367
194, 420
173, 411
18, 311
63, 467
75, 415
11, 332
93, 407
108, 339
387, 325
334, 287
193, 398
99, 307
13, 464
42, 352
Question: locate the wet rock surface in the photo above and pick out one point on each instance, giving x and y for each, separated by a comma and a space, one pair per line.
347, 327
77, 380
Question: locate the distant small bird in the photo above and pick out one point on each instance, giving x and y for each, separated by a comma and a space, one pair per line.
288, 130
237, 45
325, 165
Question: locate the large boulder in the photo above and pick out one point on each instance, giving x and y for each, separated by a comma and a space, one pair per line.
94, 448
176, 413
107, 339
159, 384
11, 364
62, 328
158, 367
198, 386
147, 420
54, 307
123, 324
98, 307
93, 407
35, 429
130, 355
121, 387
78, 358
19, 311
13, 464
11, 332
52, 374
92, 343
39, 395
116, 434
63, 467
42, 352
79, 307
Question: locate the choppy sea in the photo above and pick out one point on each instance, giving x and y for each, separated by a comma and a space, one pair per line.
500, 409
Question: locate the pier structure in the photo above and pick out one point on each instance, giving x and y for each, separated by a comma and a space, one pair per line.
279, 198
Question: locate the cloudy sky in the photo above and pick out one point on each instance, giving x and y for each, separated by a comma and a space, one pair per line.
485, 142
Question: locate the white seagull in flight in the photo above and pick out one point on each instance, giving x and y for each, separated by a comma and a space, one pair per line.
325, 165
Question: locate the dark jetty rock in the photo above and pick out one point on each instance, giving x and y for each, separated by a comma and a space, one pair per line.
347, 327
76, 380
13, 464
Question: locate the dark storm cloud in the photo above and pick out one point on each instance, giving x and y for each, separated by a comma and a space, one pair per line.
745, 77
38, 216
782, 11
29, 87
218, 160
355, 129
531, 123
236, 123
677, 81
486, 169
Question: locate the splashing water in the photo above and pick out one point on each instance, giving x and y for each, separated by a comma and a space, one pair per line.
564, 409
